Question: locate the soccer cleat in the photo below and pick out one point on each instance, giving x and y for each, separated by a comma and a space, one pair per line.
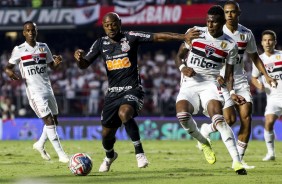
63, 158
142, 161
245, 165
42, 151
106, 164
269, 157
209, 153
239, 168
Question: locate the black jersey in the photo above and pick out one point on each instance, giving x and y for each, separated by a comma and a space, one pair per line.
120, 59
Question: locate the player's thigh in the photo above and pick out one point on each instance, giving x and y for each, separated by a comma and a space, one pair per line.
52, 103
188, 99
244, 91
134, 98
273, 106
211, 94
109, 116
40, 106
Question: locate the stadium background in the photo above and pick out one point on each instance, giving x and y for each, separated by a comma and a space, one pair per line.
68, 25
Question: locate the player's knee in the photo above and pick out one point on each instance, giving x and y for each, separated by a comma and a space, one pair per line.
230, 120
184, 118
125, 114
218, 120
49, 120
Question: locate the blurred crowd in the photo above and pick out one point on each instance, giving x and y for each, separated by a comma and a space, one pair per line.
78, 3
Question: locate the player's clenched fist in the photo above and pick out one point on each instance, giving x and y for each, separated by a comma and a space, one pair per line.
57, 59
79, 54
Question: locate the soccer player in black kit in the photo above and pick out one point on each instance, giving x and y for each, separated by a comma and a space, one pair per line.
125, 95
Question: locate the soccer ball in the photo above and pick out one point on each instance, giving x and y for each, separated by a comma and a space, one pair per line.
80, 164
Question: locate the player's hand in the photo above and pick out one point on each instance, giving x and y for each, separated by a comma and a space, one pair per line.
238, 99
220, 81
187, 71
191, 34
272, 82
79, 54
57, 59
13, 75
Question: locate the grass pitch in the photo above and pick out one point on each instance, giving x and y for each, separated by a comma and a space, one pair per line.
170, 162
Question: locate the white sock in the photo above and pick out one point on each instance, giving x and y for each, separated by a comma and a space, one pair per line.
207, 130
241, 147
227, 136
43, 138
188, 123
54, 139
269, 141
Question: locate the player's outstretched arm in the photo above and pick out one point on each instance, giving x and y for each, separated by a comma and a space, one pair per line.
259, 64
81, 62
168, 36
9, 70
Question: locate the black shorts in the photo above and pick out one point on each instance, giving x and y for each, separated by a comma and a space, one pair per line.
110, 118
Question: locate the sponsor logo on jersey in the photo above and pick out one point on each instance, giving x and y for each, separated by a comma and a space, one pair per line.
131, 98
202, 63
119, 63
209, 50
125, 46
139, 34
36, 70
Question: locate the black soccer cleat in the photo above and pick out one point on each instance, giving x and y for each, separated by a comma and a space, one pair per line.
241, 172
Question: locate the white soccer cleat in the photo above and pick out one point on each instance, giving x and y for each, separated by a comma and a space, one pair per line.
245, 165
142, 160
106, 164
63, 158
268, 157
42, 151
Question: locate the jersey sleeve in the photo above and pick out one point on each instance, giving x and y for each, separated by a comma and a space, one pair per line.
255, 71
49, 56
251, 46
232, 55
93, 52
139, 36
15, 56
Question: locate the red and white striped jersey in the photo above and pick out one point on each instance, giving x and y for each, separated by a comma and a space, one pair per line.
246, 42
273, 66
208, 54
32, 62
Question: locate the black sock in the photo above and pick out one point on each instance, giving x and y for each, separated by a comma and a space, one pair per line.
133, 132
109, 147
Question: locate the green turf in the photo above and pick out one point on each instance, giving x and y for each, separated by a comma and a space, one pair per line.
171, 162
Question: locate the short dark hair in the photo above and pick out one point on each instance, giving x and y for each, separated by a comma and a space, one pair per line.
270, 32
217, 10
29, 22
233, 3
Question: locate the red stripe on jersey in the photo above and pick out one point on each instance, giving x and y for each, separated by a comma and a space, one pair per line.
217, 51
27, 57
278, 63
242, 44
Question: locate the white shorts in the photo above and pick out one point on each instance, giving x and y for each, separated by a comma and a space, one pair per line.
43, 105
273, 106
200, 93
242, 89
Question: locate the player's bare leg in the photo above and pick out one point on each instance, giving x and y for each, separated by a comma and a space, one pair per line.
269, 136
54, 138
108, 141
126, 113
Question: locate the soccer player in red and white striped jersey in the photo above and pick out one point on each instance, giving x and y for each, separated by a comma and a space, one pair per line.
33, 58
